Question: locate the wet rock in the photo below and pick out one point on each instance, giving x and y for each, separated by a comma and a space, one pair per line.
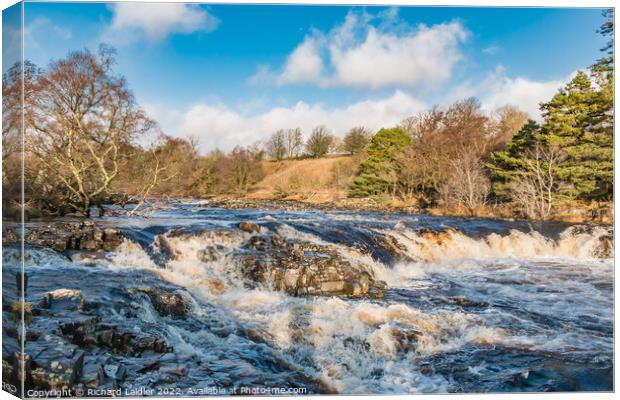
8, 371
56, 367
65, 236
211, 253
115, 371
605, 248
248, 226
405, 339
174, 369
63, 300
303, 268
9, 235
80, 329
93, 374
167, 302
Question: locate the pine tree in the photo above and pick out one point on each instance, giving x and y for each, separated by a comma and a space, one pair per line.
377, 173
579, 120
506, 166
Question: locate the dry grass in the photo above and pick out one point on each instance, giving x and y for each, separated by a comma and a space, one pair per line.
313, 180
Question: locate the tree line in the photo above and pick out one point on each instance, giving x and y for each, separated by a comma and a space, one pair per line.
83, 129
289, 143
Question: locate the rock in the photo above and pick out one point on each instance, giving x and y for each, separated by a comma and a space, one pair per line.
92, 373
57, 367
248, 226
174, 369
167, 302
63, 300
115, 371
303, 268
80, 329
63, 236
211, 253
606, 247
8, 371
9, 235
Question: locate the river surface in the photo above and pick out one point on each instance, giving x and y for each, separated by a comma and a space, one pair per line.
497, 306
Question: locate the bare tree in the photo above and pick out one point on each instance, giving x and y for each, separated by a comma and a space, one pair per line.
467, 185
294, 142
319, 142
276, 145
356, 140
535, 189
78, 123
238, 170
508, 120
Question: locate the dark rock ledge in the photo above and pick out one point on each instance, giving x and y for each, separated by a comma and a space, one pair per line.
64, 236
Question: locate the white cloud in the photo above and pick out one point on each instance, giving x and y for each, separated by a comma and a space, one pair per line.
155, 21
499, 90
304, 64
217, 126
358, 53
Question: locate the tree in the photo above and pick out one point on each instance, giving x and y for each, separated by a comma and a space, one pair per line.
76, 127
579, 120
319, 142
276, 146
439, 136
294, 142
535, 188
508, 122
467, 184
237, 171
506, 165
606, 63
378, 173
356, 140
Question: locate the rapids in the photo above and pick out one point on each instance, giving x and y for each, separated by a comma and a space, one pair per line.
471, 305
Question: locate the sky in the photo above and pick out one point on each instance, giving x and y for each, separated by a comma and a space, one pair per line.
233, 74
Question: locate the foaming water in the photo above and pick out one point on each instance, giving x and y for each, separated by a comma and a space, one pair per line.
470, 305
451, 244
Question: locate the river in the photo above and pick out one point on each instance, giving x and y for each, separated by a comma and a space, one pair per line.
486, 306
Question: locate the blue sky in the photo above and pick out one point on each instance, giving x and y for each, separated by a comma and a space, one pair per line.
231, 74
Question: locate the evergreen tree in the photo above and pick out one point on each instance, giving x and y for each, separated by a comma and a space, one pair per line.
377, 173
506, 166
579, 120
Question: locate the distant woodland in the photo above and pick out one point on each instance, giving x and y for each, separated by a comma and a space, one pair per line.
82, 127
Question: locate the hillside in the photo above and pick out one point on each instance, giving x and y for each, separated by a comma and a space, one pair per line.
311, 179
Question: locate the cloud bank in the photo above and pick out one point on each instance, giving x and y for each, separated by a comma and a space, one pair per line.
220, 126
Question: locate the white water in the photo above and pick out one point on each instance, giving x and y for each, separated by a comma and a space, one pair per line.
345, 343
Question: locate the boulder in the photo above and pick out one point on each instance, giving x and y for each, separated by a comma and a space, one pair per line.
166, 301
304, 268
